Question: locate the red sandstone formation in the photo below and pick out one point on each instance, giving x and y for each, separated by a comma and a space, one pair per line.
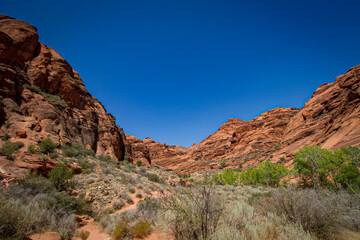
41, 96
150, 152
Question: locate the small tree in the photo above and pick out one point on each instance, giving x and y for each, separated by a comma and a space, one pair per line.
138, 163
47, 146
271, 173
313, 164
61, 177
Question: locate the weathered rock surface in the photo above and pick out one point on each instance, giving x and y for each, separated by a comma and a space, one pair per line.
150, 152
41, 96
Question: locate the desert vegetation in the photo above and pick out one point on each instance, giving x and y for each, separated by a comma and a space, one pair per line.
132, 201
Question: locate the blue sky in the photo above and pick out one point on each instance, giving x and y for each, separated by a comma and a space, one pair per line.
176, 70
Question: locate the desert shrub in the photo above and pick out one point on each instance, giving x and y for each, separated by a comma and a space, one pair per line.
76, 150
55, 100
8, 124
153, 177
148, 209
141, 229
131, 190
90, 180
54, 155
322, 213
85, 165
32, 149
229, 177
32, 206
257, 196
138, 163
104, 158
5, 137
139, 195
118, 204
47, 146
72, 204
33, 88
222, 165
121, 230
9, 148
19, 219
61, 177
129, 200
195, 212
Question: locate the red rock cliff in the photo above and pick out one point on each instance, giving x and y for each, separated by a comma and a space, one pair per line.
43, 97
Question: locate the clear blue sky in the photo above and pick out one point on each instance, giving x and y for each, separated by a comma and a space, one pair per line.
175, 70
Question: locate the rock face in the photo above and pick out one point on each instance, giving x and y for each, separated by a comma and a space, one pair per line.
150, 152
331, 119
41, 96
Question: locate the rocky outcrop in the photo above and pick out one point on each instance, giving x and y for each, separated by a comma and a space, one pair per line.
43, 97
331, 119
150, 152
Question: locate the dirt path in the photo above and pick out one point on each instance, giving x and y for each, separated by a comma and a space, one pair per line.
96, 232
159, 236
130, 207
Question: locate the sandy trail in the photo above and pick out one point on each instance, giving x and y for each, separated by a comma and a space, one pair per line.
96, 232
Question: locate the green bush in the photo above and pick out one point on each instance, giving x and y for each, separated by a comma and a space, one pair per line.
222, 165
138, 163
105, 158
268, 173
9, 148
77, 150
61, 177
85, 165
32, 149
47, 146
72, 204
229, 177
5, 137
153, 177
54, 155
